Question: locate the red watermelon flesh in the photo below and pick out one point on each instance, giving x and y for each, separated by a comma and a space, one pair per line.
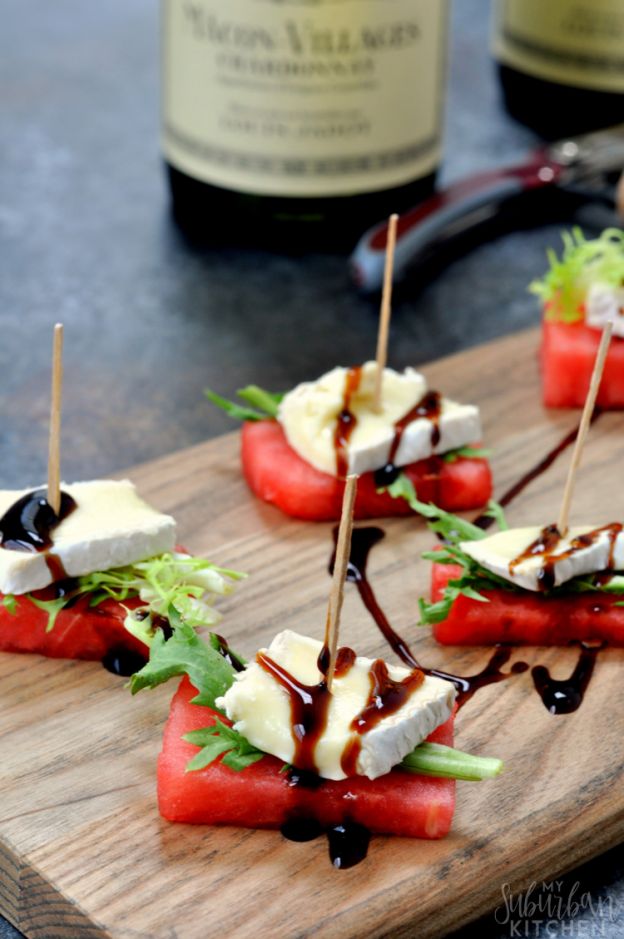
276, 474
79, 632
526, 618
260, 796
568, 354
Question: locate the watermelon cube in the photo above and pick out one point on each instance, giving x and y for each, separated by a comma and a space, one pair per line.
261, 796
276, 474
568, 354
525, 618
80, 631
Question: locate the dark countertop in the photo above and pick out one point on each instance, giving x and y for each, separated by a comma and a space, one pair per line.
86, 238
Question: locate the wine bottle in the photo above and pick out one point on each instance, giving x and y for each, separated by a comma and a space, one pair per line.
298, 123
561, 63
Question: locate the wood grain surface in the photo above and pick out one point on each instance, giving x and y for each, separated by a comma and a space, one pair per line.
83, 852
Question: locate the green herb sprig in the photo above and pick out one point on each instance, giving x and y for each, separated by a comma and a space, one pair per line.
189, 585
583, 262
263, 403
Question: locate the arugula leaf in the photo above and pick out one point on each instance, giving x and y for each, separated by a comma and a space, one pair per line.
496, 511
590, 583
264, 403
451, 456
432, 613
10, 603
467, 591
51, 607
564, 287
614, 585
451, 527
218, 739
185, 653
232, 409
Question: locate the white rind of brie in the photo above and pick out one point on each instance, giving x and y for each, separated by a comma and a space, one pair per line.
260, 708
603, 303
309, 413
110, 527
497, 551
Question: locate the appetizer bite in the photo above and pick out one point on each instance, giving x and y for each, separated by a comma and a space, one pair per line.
543, 585
89, 570
96, 578
581, 292
307, 738
527, 585
297, 450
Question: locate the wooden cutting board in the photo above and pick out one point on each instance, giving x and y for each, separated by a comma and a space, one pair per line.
83, 852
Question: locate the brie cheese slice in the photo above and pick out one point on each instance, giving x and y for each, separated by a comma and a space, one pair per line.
261, 710
604, 303
310, 412
111, 526
572, 556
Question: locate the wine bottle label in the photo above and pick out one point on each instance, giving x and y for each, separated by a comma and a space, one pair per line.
303, 97
573, 42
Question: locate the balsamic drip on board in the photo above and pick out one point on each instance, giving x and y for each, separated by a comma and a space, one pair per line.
566, 695
348, 841
123, 661
429, 407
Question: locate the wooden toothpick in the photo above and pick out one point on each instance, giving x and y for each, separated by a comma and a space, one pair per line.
54, 451
343, 550
384, 316
590, 401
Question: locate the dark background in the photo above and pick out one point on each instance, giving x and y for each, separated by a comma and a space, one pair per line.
86, 238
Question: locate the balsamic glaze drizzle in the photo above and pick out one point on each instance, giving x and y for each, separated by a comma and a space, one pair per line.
28, 524
309, 705
230, 657
348, 844
346, 422
429, 407
386, 696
